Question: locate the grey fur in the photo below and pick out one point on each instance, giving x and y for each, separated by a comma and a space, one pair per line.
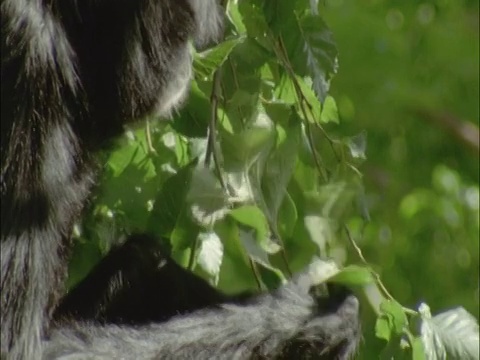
261, 329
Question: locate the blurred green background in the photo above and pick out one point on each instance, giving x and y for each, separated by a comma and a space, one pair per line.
409, 77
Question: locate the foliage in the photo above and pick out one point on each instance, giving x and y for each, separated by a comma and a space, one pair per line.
248, 183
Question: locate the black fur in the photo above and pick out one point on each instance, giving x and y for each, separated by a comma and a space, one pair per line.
73, 73
119, 290
137, 284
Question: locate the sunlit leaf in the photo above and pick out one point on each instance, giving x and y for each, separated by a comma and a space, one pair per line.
205, 63
210, 253
353, 276
253, 217
453, 334
209, 202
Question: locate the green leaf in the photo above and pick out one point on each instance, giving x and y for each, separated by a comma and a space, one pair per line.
254, 19
210, 253
314, 104
353, 276
184, 232
334, 200
236, 276
278, 14
287, 217
382, 328
130, 182
259, 253
285, 90
329, 111
358, 145
320, 270
396, 349
133, 153
417, 348
320, 230
252, 217
194, 117
250, 55
278, 171
244, 148
209, 202
392, 321
250, 243
312, 51
205, 63
169, 202
235, 17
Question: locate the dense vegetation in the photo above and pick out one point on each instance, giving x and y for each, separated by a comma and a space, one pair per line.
276, 159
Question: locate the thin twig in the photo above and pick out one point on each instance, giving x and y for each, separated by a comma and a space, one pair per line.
376, 276
256, 275
148, 137
212, 129
193, 253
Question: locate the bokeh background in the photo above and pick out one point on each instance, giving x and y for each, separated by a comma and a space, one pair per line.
409, 77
